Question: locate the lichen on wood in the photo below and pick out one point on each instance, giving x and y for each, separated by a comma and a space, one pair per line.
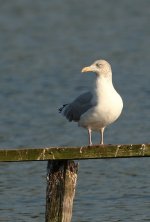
72, 153
61, 182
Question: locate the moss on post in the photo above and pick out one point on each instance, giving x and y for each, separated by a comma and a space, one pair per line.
61, 182
75, 153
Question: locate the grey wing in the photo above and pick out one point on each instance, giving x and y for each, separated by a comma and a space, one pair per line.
80, 105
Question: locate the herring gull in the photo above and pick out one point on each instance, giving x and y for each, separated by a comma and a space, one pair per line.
98, 108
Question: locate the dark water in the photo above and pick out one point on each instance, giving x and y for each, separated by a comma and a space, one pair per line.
43, 46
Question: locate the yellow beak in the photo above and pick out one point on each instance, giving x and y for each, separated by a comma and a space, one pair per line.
86, 69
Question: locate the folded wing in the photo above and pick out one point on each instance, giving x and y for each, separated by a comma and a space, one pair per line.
79, 106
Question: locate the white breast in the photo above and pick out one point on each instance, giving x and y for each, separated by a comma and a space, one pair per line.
107, 106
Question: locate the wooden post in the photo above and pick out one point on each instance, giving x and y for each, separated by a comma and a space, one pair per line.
61, 182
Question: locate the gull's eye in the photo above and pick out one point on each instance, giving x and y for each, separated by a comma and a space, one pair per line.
98, 65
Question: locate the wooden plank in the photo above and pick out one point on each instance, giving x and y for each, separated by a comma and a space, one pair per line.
74, 153
61, 183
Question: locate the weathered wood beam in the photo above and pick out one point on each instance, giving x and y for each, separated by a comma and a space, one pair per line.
61, 183
74, 153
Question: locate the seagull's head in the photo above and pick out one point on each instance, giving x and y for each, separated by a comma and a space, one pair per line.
100, 67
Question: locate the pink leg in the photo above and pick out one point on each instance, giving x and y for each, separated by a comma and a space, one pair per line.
102, 136
90, 135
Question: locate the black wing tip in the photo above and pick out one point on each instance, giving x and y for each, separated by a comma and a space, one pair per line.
61, 108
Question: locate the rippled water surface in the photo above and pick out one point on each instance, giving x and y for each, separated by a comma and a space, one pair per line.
43, 46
